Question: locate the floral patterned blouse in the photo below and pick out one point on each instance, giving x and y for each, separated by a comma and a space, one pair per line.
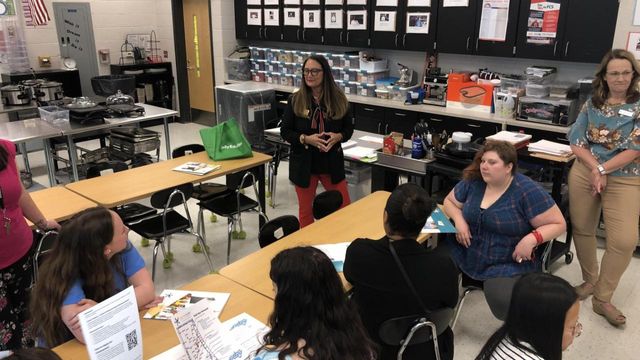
607, 132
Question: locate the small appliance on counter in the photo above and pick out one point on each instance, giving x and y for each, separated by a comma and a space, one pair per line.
13, 95
123, 105
85, 111
435, 86
48, 91
407, 76
552, 111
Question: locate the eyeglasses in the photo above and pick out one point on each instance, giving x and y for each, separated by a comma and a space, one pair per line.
616, 74
313, 72
576, 330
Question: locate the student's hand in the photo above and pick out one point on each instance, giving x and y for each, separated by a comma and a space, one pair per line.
524, 249
155, 302
73, 322
463, 236
333, 139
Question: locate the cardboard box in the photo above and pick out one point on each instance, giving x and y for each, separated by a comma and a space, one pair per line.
465, 94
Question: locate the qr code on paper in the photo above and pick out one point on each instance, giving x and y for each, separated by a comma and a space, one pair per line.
132, 339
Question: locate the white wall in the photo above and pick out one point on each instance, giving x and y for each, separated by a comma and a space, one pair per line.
223, 35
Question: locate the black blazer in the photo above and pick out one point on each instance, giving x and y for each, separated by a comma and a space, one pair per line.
300, 158
381, 293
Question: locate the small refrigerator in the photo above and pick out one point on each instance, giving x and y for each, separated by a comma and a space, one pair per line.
251, 104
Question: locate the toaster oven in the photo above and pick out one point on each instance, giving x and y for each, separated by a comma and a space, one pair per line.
553, 111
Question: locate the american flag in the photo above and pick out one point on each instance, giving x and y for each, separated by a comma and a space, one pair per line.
35, 12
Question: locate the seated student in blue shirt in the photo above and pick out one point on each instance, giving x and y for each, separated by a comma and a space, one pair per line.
501, 217
92, 259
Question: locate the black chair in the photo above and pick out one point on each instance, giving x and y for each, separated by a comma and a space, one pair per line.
205, 190
283, 225
231, 206
326, 203
43, 247
100, 168
415, 329
167, 222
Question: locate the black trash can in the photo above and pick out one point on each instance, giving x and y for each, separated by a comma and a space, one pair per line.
107, 85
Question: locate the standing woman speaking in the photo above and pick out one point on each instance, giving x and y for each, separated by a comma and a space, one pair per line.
606, 141
16, 239
317, 119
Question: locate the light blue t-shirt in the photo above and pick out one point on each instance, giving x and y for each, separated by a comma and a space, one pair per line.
269, 355
132, 262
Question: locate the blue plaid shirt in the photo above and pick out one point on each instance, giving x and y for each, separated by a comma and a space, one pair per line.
496, 231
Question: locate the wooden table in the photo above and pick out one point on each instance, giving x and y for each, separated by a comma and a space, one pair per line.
138, 183
58, 203
159, 336
362, 219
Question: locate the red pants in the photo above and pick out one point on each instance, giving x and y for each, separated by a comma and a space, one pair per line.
306, 196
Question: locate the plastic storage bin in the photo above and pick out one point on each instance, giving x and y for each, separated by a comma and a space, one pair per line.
273, 78
53, 114
286, 79
271, 54
259, 76
340, 84
285, 56
400, 93
515, 82
257, 53
351, 88
351, 61
373, 65
258, 65
297, 80
538, 90
273, 67
238, 69
349, 75
382, 93
367, 90
371, 77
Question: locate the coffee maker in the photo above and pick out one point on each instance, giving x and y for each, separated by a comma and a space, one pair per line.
435, 86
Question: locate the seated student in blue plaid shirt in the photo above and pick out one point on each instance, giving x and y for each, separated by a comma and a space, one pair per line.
501, 216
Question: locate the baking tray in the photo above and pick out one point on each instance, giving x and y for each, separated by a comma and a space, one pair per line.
404, 162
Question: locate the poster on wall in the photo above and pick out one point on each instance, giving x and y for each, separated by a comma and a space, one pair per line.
418, 22
333, 2
384, 21
292, 16
494, 20
542, 24
311, 19
253, 2
386, 2
271, 17
633, 44
357, 20
254, 17
424, 3
333, 19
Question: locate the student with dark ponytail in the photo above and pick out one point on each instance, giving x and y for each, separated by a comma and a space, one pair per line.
379, 289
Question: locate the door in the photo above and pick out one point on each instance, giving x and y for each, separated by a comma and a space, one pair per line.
75, 33
197, 32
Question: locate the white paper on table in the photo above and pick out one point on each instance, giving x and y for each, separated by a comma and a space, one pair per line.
349, 143
111, 329
200, 332
333, 19
173, 300
494, 20
370, 138
311, 19
384, 21
336, 252
292, 16
358, 152
425, 3
550, 147
271, 17
247, 332
455, 3
254, 17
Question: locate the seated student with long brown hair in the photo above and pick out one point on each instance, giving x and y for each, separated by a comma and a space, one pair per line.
92, 259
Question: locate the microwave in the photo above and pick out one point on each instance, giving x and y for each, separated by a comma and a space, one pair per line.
547, 110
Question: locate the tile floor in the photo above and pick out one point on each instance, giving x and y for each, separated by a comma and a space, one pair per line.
599, 340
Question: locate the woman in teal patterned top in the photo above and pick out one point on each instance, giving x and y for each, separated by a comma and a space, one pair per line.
606, 176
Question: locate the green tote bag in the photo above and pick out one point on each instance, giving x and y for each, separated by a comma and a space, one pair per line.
225, 141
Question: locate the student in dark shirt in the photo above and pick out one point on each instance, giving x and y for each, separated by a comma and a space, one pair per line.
379, 289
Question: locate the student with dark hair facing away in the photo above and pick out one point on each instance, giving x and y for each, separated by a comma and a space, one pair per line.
317, 119
541, 323
16, 240
501, 217
312, 318
379, 289
92, 259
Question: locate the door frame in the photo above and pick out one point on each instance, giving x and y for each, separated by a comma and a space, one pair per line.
180, 48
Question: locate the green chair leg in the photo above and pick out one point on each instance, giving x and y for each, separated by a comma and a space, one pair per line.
144, 242
166, 263
170, 256
213, 218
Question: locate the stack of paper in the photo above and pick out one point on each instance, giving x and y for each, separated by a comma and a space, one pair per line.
550, 147
196, 168
514, 138
349, 143
174, 300
360, 153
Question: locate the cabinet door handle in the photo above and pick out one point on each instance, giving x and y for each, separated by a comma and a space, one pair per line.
401, 114
298, 34
397, 39
555, 46
437, 120
347, 37
265, 33
304, 32
477, 39
368, 109
386, 129
379, 127
340, 37
473, 125
404, 37
566, 48
468, 39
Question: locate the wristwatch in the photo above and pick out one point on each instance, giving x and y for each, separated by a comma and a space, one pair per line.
302, 137
601, 169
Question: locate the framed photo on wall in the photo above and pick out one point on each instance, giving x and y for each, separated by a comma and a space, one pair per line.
271, 17
357, 20
633, 44
292, 16
311, 19
384, 21
254, 17
333, 19
418, 23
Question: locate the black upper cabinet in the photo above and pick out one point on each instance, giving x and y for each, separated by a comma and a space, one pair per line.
537, 48
358, 38
335, 36
400, 39
589, 30
273, 33
240, 9
456, 29
312, 35
499, 48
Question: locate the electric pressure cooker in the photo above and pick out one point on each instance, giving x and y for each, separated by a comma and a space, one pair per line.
15, 95
49, 91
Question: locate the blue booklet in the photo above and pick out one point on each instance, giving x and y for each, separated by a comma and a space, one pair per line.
438, 222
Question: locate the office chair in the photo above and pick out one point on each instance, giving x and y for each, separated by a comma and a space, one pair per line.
162, 225
326, 203
277, 228
43, 247
231, 206
105, 167
410, 330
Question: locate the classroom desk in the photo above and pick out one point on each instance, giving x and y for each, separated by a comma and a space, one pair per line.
138, 183
361, 219
58, 203
159, 336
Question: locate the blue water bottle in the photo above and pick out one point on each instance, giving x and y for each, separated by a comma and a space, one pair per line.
417, 150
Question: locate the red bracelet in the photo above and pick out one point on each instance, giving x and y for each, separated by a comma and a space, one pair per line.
538, 236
